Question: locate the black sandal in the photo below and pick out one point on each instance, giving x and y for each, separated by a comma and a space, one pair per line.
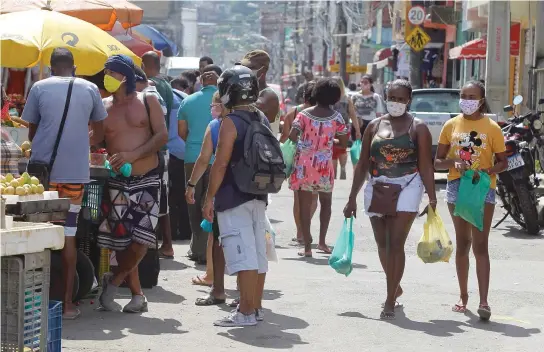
387, 315
209, 300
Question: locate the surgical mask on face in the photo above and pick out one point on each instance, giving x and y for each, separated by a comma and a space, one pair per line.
396, 109
216, 111
469, 107
111, 84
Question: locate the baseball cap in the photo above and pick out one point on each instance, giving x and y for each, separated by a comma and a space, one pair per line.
256, 57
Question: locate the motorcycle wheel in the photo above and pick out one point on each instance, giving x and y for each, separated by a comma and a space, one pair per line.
528, 209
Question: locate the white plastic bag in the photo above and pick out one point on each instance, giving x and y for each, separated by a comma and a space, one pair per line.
271, 254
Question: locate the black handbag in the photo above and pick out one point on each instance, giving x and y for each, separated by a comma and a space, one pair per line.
41, 169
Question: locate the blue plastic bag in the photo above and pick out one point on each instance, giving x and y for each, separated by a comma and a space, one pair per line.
340, 259
355, 151
471, 197
206, 226
288, 150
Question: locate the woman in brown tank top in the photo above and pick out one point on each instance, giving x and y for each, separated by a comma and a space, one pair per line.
396, 150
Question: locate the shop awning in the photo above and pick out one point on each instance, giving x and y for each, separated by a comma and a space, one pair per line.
473, 50
382, 54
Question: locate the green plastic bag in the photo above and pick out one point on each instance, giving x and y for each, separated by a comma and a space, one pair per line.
435, 244
355, 151
340, 259
288, 150
471, 197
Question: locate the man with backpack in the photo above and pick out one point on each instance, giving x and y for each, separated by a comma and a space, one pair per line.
248, 166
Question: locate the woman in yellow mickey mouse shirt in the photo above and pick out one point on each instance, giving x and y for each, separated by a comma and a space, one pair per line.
471, 140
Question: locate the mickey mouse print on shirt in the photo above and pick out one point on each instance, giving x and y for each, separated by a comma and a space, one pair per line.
467, 145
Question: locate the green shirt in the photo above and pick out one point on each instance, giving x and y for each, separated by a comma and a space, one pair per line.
165, 90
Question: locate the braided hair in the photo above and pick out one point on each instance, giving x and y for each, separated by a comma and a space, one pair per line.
484, 108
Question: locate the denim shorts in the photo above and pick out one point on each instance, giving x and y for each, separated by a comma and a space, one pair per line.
452, 189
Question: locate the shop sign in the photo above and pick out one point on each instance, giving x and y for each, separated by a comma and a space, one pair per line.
349, 68
515, 35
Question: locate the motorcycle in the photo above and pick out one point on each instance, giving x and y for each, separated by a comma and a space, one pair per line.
516, 186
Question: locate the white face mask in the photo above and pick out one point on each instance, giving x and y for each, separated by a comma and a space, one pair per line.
469, 107
396, 109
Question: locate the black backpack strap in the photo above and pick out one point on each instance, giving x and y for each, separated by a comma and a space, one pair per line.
62, 121
148, 111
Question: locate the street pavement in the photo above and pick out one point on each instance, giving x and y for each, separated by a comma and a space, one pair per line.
309, 307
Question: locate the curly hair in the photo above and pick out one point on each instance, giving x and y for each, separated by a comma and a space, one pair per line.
326, 92
304, 92
484, 108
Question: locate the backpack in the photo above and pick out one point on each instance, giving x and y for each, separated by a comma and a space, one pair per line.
260, 169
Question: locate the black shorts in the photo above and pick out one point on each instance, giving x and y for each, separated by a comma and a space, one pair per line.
215, 228
362, 129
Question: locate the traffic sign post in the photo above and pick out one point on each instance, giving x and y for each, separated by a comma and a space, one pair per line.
417, 39
416, 15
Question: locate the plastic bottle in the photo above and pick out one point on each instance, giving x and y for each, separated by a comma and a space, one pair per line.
206, 226
126, 169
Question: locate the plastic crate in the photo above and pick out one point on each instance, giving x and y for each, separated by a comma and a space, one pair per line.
24, 302
54, 327
92, 198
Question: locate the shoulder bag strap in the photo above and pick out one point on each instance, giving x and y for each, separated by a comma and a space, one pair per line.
62, 121
148, 111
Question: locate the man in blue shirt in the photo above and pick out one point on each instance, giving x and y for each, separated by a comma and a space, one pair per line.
193, 118
70, 171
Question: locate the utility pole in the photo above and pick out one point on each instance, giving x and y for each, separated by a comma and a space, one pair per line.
282, 54
497, 63
297, 38
325, 55
310, 37
342, 30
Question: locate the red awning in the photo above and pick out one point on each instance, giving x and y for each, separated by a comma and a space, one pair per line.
473, 50
382, 54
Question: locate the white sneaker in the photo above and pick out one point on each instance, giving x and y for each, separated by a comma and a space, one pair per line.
236, 319
259, 314
138, 304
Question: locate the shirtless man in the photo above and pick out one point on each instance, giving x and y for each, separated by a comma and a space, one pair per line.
259, 61
132, 136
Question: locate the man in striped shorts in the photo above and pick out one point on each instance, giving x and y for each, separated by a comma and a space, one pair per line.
131, 205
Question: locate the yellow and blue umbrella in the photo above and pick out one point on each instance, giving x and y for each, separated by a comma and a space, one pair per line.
28, 38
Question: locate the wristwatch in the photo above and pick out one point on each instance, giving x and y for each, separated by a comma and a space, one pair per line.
189, 184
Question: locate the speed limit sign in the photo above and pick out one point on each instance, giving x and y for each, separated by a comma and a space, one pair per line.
416, 15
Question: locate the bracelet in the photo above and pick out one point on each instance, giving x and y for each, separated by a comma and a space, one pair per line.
189, 184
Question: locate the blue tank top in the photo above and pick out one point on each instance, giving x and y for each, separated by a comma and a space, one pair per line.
229, 196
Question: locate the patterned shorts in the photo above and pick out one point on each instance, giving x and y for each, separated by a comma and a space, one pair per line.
131, 211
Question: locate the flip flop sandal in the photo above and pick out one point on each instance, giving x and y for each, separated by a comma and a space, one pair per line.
321, 250
305, 254
209, 300
199, 282
387, 315
459, 308
71, 315
397, 305
484, 311
165, 256
234, 303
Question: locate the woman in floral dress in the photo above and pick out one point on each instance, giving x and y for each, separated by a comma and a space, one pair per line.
315, 130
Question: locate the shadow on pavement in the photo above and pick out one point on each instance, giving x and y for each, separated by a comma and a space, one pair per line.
447, 328
171, 264
270, 333
502, 328
518, 232
101, 326
159, 294
322, 261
